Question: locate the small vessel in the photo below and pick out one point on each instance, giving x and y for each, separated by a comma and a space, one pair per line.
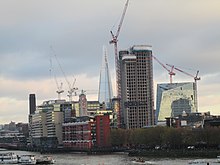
218, 159
8, 158
199, 162
27, 159
141, 161
45, 160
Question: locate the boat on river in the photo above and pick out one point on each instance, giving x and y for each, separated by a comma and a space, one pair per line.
45, 160
141, 161
8, 158
199, 162
27, 159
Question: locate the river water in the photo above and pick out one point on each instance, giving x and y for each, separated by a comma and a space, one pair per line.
112, 159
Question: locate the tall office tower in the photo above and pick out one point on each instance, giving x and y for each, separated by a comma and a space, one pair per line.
32, 103
137, 98
105, 86
175, 99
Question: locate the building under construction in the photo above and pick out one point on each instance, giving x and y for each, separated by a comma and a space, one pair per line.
136, 81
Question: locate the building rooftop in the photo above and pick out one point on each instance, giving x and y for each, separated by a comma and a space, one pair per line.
142, 47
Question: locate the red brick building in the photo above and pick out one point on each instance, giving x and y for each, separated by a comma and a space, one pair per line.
78, 135
87, 134
102, 130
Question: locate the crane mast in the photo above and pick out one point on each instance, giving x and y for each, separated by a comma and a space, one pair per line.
72, 90
115, 42
60, 90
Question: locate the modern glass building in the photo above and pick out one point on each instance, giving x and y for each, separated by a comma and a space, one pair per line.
174, 99
105, 86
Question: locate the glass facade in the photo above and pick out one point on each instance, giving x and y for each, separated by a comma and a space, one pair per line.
105, 86
174, 99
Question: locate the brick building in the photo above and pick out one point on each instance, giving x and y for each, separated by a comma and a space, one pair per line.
102, 130
86, 134
78, 135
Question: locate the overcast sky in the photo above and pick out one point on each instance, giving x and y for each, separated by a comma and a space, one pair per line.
184, 33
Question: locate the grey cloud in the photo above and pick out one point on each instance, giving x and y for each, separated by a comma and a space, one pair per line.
182, 33
75, 34
77, 30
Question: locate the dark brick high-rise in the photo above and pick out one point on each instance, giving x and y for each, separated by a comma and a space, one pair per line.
32, 103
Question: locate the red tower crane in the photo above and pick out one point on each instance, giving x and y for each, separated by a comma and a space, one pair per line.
115, 42
196, 78
170, 71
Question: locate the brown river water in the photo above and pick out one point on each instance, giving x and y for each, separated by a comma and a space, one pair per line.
113, 159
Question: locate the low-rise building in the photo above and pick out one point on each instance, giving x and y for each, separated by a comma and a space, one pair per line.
46, 122
212, 122
78, 135
66, 123
193, 120
86, 134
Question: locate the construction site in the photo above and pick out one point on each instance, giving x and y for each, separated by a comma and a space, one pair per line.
134, 87
135, 117
135, 105
172, 99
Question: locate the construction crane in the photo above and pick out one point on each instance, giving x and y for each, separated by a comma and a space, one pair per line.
196, 78
170, 71
115, 42
72, 90
72, 87
59, 87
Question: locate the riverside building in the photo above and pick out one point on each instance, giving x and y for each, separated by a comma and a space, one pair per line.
55, 123
86, 133
136, 81
79, 135
46, 122
174, 100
